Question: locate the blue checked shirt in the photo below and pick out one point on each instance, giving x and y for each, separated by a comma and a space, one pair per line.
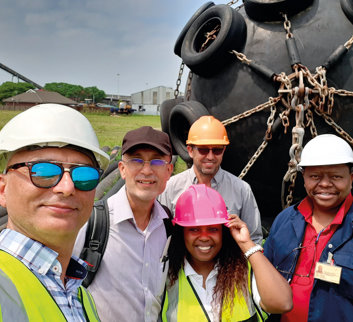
42, 261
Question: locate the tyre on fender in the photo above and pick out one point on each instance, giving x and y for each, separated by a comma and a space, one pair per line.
181, 118
208, 60
179, 41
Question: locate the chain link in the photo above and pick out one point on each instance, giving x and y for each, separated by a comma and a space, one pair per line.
343, 92
337, 128
243, 59
178, 82
287, 26
232, 2
188, 91
263, 145
258, 152
349, 43
236, 118
310, 123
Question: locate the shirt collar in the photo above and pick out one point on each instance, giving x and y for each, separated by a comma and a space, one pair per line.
306, 209
37, 257
122, 210
215, 180
189, 271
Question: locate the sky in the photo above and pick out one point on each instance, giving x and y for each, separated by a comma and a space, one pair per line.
119, 46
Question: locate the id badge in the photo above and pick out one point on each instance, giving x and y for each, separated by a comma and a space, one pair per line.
328, 273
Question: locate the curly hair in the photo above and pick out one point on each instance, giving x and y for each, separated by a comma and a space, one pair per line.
232, 266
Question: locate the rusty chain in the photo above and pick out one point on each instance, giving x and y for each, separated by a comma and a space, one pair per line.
232, 2
310, 123
241, 57
178, 82
236, 118
349, 43
334, 125
188, 91
287, 26
262, 146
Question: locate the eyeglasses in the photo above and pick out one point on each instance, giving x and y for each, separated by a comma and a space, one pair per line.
138, 164
47, 174
295, 253
206, 151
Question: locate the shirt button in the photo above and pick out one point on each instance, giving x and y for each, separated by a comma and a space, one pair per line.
41, 271
330, 245
55, 268
146, 264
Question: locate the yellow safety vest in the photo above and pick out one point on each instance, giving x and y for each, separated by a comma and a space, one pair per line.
182, 304
29, 298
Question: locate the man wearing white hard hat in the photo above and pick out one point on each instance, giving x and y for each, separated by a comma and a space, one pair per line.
311, 243
51, 163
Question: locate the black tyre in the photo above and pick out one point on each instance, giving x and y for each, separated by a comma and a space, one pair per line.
165, 110
182, 117
180, 39
112, 166
347, 7
106, 183
271, 10
114, 189
207, 59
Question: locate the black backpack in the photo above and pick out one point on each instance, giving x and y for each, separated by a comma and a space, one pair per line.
97, 237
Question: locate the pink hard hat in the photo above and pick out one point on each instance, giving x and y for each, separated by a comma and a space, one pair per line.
200, 205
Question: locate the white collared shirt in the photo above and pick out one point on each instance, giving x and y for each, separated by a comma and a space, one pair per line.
130, 281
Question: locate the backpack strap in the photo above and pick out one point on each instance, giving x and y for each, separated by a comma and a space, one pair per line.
168, 221
96, 239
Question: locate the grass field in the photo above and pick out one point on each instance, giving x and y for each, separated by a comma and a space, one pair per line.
111, 129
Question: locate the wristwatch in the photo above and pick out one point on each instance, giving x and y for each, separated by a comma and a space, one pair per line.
253, 250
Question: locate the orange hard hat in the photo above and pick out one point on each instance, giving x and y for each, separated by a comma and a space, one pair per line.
207, 130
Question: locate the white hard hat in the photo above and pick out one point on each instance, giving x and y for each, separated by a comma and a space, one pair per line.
326, 149
50, 125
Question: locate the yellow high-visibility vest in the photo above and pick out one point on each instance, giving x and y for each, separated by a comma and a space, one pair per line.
27, 299
182, 304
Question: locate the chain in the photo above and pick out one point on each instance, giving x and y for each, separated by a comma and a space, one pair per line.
236, 118
330, 100
262, 146
258, 152
270, 120
178, 82
287, 25
310, 123
343, 92
349, 43
337, 128
212, 35
241, 57
188, 91
289, 198
232, 2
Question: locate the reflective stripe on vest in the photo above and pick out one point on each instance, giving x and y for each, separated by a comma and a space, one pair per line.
181, 304
24, 298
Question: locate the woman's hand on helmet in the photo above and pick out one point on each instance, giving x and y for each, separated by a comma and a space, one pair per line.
239, 231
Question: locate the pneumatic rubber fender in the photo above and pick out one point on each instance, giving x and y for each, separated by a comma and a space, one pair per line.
231, 35
181, 118
179, 41
260, 10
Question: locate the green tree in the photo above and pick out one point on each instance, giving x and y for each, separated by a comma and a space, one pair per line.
76, 92
95, 94
9, 89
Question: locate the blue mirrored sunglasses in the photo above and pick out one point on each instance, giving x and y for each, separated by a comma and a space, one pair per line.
47, 174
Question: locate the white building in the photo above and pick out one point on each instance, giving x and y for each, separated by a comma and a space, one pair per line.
149, 101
